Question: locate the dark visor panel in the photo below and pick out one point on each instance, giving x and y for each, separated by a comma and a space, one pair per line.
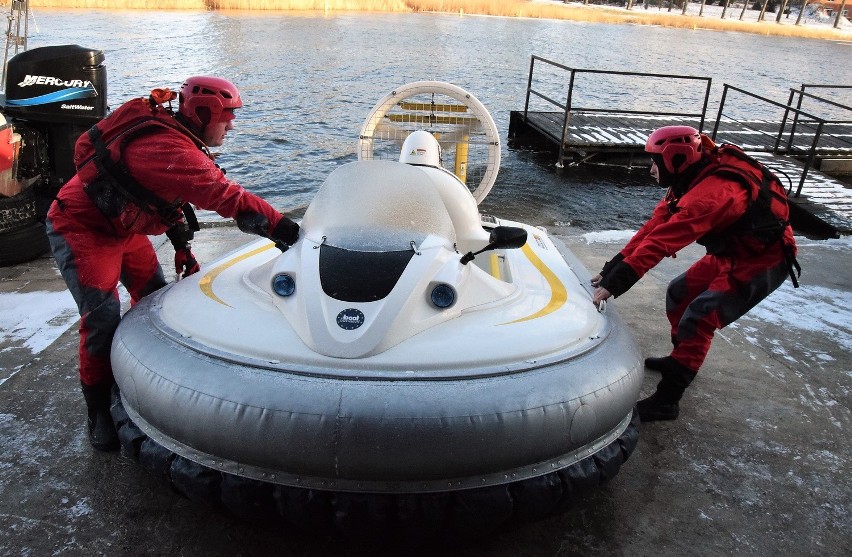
360, 276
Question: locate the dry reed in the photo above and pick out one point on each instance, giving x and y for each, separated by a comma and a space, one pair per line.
506, 8
280, 5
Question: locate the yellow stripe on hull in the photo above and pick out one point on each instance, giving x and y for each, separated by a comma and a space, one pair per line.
558, 294
206, 282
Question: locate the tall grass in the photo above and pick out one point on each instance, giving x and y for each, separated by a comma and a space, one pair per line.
311, 5
506, 8
283, 5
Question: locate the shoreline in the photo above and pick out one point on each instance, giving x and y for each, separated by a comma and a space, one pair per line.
536, 9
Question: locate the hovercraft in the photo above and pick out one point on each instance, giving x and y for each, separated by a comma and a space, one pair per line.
408, 362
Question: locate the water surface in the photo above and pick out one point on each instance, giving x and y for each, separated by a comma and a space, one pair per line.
308, 81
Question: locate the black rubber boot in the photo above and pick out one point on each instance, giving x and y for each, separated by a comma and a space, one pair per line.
657, 364
102, 434
665, 365
663, 404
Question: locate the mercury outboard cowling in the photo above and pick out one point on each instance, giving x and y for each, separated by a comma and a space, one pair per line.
58, 84
53, 95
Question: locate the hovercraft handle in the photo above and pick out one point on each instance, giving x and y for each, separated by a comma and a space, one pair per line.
502, 237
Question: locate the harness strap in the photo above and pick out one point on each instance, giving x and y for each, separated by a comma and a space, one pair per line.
144, 198
773, 231
792, 263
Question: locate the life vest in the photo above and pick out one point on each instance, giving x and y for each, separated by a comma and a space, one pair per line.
109, 183
767, 215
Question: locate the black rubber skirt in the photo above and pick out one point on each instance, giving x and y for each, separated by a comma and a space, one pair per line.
463, 512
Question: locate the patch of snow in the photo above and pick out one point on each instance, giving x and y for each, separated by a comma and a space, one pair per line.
37, 318
815, 14
78, 509
608, 236
811, 308
832, 243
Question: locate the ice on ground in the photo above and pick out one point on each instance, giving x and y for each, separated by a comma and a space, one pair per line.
608, 236
36, 318
810, 308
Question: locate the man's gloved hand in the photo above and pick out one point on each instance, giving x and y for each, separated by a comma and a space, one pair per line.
285, 234
185, 262
601, 295
608, 266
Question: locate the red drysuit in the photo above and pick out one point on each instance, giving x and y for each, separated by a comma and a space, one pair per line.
100, 237
740, 269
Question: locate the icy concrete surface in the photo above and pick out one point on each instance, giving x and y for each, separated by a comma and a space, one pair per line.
758, 463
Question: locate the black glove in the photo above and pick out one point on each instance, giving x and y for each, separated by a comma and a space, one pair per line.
609, 265
180, 235
285, 233
619, 280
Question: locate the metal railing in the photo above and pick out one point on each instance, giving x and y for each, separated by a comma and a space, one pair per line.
17, 31
800, 95
809, 152
568, 107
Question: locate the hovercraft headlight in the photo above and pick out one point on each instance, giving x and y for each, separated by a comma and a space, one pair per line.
443, 296
283, 284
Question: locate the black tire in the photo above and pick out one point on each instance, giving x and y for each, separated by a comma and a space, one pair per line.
23, 244
459, 514
17, 211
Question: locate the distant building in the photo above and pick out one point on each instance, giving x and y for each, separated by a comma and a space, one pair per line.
832, 7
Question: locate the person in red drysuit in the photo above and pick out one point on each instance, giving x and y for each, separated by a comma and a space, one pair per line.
728, 202
138, 171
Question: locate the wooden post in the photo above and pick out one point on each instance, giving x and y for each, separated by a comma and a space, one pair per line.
839, 14
725, 9
802, 11
745, 5
686, 3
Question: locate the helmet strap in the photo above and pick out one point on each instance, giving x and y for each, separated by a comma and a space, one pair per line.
184, 126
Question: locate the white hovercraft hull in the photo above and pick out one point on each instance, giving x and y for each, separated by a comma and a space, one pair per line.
448, 410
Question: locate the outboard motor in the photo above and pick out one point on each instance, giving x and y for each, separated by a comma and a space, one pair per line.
53, 95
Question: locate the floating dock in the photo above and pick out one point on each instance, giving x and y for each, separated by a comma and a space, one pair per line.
812, 153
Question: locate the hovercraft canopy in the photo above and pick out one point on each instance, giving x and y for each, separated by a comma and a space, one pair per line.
370, 217
378, 206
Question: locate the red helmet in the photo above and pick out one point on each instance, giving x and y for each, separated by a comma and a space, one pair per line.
205, 99
678, 146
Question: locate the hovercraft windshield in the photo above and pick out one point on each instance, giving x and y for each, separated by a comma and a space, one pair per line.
370, 218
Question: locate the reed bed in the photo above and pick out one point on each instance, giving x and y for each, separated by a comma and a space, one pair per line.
504, 8
270, 5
